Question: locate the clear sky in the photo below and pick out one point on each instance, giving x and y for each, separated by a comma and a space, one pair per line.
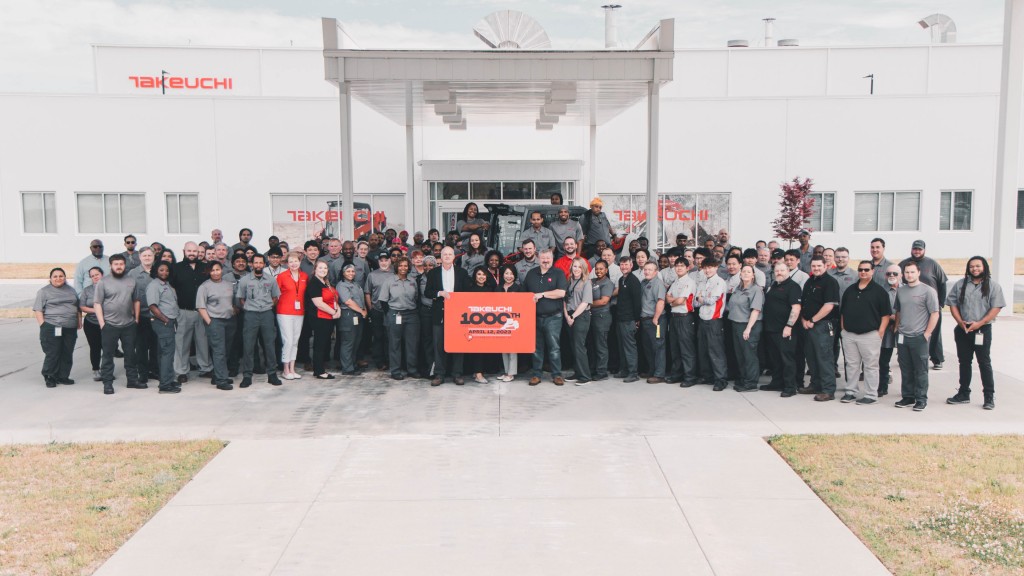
45, 44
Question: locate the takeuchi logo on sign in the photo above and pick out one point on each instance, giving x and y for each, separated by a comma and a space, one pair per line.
165, 81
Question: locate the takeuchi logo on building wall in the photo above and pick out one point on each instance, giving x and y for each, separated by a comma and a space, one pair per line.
165, 81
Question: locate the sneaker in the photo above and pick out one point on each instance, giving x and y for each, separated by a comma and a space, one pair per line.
480, 379
581, 381
630, 378
744, 388
687, 383
169, 390
937, 366
571, 377
921, 405
959, 398
787, 394
96, 376
847, 398
905, 402
865, 401
771, 387
108, 387
225, 386
655, 380
600, 377
990, 404
720, 386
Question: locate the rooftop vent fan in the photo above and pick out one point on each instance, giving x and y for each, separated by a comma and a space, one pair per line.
512, 30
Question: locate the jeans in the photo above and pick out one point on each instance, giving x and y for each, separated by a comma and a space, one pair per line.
220, 333
165, 351
549, 329
913, 358
111, 335
58, 351
966, 351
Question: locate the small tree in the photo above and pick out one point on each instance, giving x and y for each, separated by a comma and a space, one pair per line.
795, 208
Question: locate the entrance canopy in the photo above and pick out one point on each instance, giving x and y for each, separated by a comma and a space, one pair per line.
463, 88
499, 87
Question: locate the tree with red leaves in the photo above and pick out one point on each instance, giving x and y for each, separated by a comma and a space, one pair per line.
795, 209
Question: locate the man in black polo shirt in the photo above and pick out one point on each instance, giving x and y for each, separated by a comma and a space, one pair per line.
548, 285
781, 311
864, 317
188, 275
627, 319
819, 306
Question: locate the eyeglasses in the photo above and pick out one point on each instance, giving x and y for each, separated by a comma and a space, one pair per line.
132, 242
864, 270
892, 273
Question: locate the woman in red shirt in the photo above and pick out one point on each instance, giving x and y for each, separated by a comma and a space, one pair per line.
290, 311
325, 298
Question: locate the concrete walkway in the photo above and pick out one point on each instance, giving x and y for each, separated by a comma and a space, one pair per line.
381, 477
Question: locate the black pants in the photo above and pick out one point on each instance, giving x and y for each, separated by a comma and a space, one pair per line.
683, 339
425, 358
600, 326
58, 351
800, 338
627, 346
379, 333
111, 336
322, 330
578, 332
441, 357
818, 350
966, 351
146, 354
884, 372
935, 344
711, 345
782, 352
912, 355
746, 352
165, 351
652, 338
95, 339
302, 354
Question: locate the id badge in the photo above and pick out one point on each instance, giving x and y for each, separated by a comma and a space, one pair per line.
398, 319
57, 331
657, 331
899, 339
355, 320
976, 337
298, 305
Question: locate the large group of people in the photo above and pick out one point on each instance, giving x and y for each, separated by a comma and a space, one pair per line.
704, 313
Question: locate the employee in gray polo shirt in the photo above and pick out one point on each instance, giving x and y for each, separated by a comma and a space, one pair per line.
653, 322
164, 312
56, 309
117, 310
258, 294
403, 321
917, 314
145, 339
564, 227
745, 307
974, 302
215, 303
543, 238
378, 324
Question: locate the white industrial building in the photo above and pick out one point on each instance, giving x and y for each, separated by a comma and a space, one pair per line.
249, 137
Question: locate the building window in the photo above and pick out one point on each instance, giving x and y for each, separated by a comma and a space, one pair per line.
111, 213
182, 213
955, 210
886, 211
823, 215
39, 212
1020, 209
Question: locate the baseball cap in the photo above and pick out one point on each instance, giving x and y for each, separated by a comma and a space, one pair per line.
918, 245
778, 253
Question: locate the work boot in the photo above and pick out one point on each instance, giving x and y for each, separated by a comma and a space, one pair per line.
246, 382
990, 402
273, 379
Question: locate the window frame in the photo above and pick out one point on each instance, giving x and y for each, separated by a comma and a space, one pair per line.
952, 210
144, 229
817, 208
167, 213
879, 205
42, 199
